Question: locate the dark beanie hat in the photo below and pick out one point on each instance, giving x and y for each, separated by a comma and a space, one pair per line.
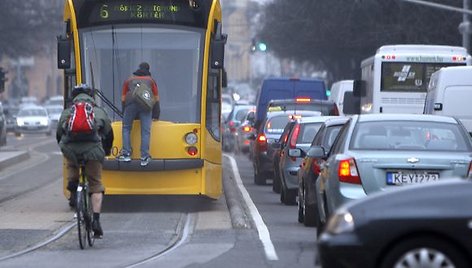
143, 69
144, 66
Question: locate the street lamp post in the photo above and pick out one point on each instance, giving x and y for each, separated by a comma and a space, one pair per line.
465, 30
464, 27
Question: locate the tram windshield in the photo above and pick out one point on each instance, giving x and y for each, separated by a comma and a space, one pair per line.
111, 54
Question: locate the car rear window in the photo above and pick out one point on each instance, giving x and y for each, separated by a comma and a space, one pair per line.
240, 114
308, 132
410, 135
276, 124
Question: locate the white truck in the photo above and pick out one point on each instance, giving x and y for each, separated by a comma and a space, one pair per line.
450, 93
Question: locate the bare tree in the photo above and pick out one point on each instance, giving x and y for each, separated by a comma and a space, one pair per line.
338, 34
27, 25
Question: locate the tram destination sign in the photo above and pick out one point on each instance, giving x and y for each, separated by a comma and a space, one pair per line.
183, 12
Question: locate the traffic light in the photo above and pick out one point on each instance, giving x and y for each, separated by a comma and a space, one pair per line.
261, 46
258, 46
2, 79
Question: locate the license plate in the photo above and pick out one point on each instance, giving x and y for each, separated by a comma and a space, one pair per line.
409, 177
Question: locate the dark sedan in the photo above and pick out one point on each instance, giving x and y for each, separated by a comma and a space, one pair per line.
265, 143
417, 226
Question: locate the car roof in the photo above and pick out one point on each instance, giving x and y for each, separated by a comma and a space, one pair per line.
300, 101
314, 119
409, 117
337, 120
289, 112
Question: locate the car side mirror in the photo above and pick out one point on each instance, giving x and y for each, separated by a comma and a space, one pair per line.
359, 88
316, 152
351, 104
251, 117
276, 145
297, 152
63, 52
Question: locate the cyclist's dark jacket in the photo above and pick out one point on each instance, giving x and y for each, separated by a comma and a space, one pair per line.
86, 150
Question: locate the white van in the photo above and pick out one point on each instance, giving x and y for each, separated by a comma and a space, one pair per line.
338, 91
450, 93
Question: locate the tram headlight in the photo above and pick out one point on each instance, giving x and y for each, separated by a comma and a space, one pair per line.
191, 138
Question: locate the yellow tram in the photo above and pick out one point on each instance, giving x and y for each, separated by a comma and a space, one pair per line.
182, 40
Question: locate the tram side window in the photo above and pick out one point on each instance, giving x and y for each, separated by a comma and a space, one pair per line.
213, 106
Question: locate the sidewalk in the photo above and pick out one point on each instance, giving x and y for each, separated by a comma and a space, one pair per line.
10, 156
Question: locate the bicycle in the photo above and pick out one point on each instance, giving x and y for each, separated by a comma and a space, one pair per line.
84, 210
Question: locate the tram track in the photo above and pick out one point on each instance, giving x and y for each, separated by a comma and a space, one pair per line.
183, 232
184, 229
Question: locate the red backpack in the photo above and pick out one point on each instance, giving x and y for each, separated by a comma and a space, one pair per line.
81, 123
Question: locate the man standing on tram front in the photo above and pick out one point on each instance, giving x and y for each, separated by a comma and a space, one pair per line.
133, 107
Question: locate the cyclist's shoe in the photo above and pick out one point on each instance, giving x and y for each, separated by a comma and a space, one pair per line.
124, 158
97, 229
145, 161
73, 199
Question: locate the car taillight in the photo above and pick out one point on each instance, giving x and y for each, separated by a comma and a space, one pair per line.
347, 171
315, 167
231, 126
334, 110
262, 141
302, 99
469, 174
293, 139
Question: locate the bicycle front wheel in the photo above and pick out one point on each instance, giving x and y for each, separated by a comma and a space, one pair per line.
81, 217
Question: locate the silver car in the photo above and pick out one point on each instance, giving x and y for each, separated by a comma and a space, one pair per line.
381, 152
33, 119
301, 136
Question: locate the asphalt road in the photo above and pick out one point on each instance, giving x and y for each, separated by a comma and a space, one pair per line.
37, 228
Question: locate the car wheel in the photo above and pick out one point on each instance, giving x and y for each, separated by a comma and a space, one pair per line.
301, 204
259, 179
276, 182
319, 223
424, 251
289, 197
309, 212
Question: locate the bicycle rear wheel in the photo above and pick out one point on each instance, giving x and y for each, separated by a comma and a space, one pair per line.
88, 218
81, 217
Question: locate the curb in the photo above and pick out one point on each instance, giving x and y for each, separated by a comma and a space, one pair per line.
234, 202
12, 158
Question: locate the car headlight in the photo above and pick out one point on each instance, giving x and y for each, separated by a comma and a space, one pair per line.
44, 122
340, 222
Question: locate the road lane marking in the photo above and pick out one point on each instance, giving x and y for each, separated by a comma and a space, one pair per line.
262, 229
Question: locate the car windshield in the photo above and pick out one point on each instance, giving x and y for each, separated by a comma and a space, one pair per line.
32, 112
55, 110
409, 135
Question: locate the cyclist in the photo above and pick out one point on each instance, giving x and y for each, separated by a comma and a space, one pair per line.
91, 152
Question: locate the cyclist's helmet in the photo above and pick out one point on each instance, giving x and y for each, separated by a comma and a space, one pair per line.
82, 88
